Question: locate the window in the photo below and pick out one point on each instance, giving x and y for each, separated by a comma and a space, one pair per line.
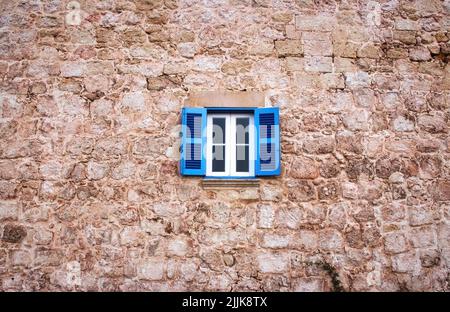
230, 147
230, 142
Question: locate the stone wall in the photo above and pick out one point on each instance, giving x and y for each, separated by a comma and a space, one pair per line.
90, 101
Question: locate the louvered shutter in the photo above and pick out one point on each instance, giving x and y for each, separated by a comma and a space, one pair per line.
192, 161
268, 159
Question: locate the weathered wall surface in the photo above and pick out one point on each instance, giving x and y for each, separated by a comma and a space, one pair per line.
90, 197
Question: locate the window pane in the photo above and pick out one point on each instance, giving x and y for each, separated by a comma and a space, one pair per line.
218, 130
242, 159
242, 130
218, 160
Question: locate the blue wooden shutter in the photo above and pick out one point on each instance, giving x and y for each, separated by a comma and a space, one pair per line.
267, 122
192, 161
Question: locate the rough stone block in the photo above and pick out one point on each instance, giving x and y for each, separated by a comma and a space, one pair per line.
271, 192
328, 191
333, 81
405, 262
8, 170
358, 119
395, 243
319, 22
406, 37
96, 171
319, 145
308, 285
48, 257
406, 24
432, 123
370, 51
304, 168
307, 240
423, 237
187, 49
344, 65
441, 190
331, 240
443, 231
266, 215
273, 262
318, 47
403, 124
318, 64
20, 258
294, 63
292, 32
275, 241
73, 69
13, 233
349, 190
301, 191
134, 101
344, 49
111, 147
207, 64
8, 210
288, 48
262, 48
357, 80
419, 54
178, 247
151, 269
101, 108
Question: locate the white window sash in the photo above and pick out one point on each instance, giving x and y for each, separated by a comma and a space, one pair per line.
230, 145
251, 146
209, 145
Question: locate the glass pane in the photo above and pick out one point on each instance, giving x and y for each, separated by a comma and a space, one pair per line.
218, 130
242, 130
218, 160
242, 159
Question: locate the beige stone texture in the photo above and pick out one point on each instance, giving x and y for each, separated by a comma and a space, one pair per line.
90, 108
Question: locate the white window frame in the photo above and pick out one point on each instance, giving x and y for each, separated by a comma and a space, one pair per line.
230, 145
209, 145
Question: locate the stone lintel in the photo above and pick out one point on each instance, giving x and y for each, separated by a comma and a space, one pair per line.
226, 99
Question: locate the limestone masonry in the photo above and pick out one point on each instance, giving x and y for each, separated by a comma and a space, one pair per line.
90, 100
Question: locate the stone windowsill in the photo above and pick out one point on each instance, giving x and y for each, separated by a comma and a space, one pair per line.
233, 184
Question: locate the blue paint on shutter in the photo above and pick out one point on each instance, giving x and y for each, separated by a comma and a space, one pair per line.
192, 161
268, 156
